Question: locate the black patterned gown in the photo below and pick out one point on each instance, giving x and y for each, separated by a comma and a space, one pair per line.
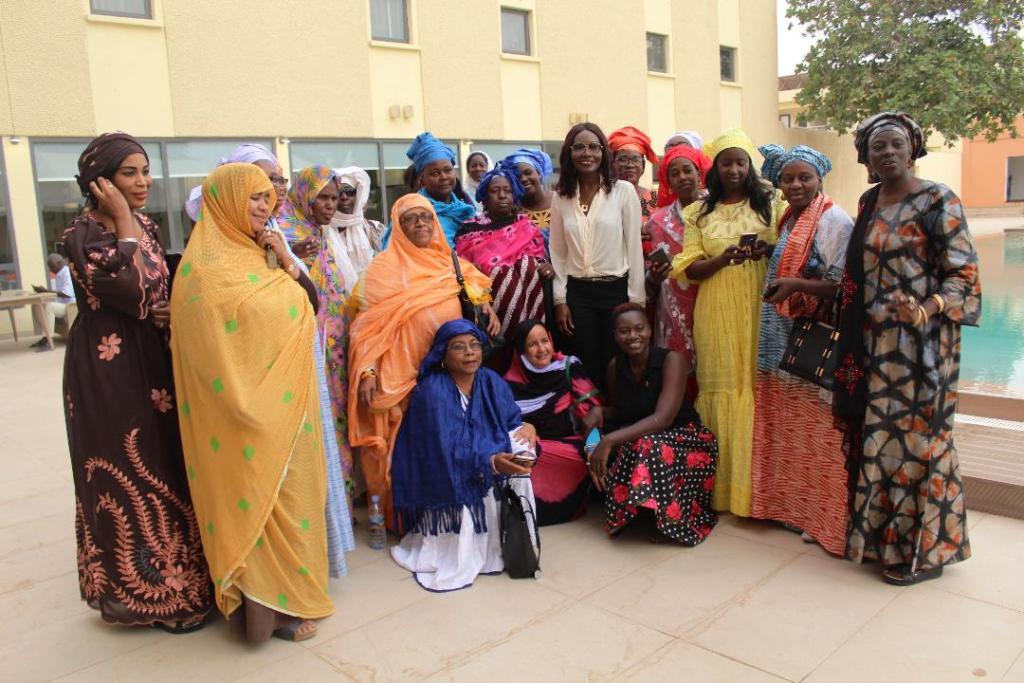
140, 558
908, 501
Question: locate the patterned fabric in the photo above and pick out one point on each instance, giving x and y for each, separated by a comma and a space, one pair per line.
798, 468
800, 241
250, 409
908, 502
541, 218
674, 299
140, 557
296, 216
725, 334
506, 170
777, 157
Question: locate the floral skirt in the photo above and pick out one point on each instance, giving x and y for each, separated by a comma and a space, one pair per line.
671, 473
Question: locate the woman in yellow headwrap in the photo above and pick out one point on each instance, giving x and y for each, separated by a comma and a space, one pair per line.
242, 346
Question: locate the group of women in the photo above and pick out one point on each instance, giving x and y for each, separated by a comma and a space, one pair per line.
598, 340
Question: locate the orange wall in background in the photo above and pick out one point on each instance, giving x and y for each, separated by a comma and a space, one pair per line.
984, 169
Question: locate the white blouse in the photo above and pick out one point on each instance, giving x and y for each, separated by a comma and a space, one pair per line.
605, 242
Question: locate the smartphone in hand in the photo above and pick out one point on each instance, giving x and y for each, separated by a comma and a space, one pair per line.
660, 256
747, 242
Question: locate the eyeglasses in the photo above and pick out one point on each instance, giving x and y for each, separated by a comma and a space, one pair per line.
459, 347
580, 147
407, 220
629, 160
278, 180
348, 191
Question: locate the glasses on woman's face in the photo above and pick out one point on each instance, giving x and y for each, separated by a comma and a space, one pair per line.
629, 160
463, 347
407, 220
581, 147
278, 181
348, 191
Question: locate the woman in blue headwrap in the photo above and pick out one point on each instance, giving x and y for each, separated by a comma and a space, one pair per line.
798, 473
534, 170
462, 432
435, 164
504, 245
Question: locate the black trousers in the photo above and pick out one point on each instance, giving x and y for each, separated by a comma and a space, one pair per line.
591, 303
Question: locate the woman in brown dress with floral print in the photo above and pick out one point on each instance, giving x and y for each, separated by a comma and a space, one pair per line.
140, 558
911, 281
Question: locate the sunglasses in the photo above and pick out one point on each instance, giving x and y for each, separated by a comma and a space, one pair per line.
348, 191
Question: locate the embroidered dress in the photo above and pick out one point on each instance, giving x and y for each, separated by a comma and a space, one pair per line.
908, 502
798, 468
140, 558
671, 472
674, 300
541, 218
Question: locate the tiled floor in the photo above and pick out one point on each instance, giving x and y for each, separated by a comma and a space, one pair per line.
753, 603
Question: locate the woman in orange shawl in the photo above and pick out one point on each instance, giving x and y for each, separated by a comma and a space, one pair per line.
405, 295
248, 396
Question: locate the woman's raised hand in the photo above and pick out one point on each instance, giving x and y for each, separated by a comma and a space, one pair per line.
110, 200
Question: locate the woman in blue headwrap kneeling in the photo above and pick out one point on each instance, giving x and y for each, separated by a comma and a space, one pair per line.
462, 434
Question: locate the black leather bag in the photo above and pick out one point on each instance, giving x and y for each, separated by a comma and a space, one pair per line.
811, 352
472, 312
518, 529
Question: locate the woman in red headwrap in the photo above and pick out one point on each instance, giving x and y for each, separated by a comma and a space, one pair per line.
630, 148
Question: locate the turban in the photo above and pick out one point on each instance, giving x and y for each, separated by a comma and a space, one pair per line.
697, 156
734, 137
245, 153
426, 149
889, 120
102, 157
505, 170
777, 158
631, 138
692, 137
535, 157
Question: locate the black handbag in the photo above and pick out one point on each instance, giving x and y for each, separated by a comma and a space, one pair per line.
518, 529
811, 352
472, 312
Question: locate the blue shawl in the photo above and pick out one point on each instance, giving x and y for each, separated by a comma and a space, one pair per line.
442, 457
452, 215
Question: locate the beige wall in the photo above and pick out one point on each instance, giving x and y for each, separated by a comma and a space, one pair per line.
24, 215
695, 64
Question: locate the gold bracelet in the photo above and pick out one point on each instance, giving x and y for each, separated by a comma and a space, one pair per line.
939, 301
922, 316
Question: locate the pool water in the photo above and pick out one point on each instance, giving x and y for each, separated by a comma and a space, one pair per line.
992, 355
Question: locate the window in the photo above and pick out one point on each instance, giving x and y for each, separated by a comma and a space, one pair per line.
515, 31
657, 53
727, 62
136, 9
389, 20
341, 154
8, 270
786, 120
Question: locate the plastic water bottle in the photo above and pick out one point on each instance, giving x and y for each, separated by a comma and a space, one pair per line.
378, 533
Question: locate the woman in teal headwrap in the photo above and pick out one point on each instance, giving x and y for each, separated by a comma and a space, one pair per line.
534, 170
435, 164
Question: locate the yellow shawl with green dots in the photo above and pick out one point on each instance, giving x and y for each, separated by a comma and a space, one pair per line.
242, 340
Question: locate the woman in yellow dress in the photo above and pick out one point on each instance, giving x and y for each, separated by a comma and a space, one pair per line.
727, 239
249, 404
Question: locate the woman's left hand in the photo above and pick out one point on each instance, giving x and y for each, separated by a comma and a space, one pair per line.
598, 463
903, 307
657, 273
161, 314
761, 250
273, 240
493, 323
784, 287
546, 270
528, 433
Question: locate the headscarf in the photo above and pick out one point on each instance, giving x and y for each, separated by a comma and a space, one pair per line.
245, 153
426, 149
536, 158
452, 214
102, 157
346, 234
250, 423
503, 170
692, 137
402, 282
629, 137
665, 194
441, 464
734, 137
777, 157
888, 120
470, 186
296, 217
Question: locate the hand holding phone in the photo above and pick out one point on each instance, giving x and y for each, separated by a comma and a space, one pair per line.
747, 242
660, 256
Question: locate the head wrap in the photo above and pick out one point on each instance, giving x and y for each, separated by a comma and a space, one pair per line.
444, 334
426, 149
629, 137
346, 237
776, 158
888, 120
103, 156
522, 331
665, 194
535, 157
245, 153
692, 137
360, 180
296, 219
734, 137
503, 170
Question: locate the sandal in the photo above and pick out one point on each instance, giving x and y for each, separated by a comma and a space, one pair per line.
900, 575
179, 628
297, 630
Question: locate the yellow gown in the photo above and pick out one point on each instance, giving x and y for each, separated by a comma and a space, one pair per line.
726, 322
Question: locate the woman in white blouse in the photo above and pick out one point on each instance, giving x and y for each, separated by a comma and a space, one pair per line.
595, 247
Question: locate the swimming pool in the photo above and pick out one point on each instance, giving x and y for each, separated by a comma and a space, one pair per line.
992, 355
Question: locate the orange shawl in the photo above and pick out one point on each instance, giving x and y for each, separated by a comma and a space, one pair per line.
798, 251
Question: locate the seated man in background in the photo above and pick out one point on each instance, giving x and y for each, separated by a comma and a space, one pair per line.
58, 268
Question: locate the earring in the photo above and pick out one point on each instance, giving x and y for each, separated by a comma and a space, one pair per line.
442, 366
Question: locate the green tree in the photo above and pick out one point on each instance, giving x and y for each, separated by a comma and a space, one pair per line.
956, 66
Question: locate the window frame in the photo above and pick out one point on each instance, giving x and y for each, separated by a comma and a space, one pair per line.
406, 25
5, 201
527, 29
149, 15
734, 52
664, 51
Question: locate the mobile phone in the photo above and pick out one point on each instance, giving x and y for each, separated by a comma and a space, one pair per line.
524, 458
593, 438
770, 290
748, 240
660, 256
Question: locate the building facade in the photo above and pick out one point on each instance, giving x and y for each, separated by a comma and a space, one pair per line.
348, 82
994, 171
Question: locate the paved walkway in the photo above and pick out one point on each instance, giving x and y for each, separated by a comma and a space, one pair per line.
753, 603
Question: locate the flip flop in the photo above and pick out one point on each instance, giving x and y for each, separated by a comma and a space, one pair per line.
179, 628
291, 631
900, 575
